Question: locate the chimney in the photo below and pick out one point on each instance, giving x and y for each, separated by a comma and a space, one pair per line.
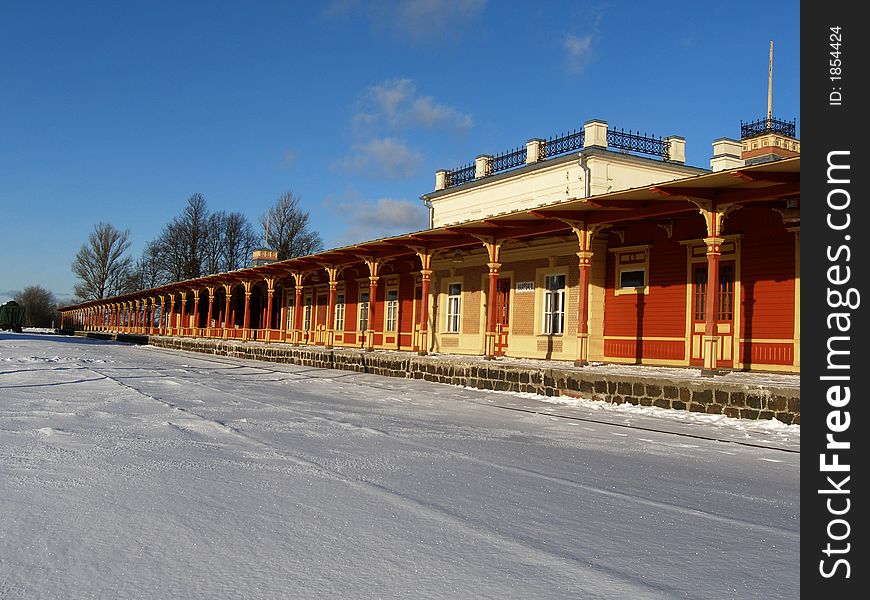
726, 154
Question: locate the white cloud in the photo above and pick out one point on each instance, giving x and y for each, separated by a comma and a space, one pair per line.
396, 103
289, 158
577, 52
386, 158
420, 21
368, 220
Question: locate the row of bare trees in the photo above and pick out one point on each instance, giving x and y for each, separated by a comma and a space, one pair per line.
195, 243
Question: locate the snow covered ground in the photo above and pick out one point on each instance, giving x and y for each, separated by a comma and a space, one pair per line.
134, 472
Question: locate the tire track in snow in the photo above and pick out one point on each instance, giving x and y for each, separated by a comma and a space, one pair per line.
600, 575
665, 506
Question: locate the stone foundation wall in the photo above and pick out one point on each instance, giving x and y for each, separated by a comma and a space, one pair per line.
707, 396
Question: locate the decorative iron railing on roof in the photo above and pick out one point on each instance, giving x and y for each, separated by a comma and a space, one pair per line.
556, 145
508, 160
762, 126
635, 142
552, 147
460, 175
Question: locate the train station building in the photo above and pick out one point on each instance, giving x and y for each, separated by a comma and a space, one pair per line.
600, 245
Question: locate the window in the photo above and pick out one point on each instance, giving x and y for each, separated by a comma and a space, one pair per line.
725, 308
726, 292
392, 309
554, 304
632, 266
454, 302
339, 312
306, 316
363, 322
290, 319
632, 279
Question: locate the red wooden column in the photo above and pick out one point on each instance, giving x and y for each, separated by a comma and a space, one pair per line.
370, 332
161, 326
713, 216
182, 318
584, 256
153, 315
136, 308
425, 280
208, 314
423, 314
270, 294
491, 316
246, 320
493, 248
330, 307
711, 308
172, 321
282, 316
228, 288
297, 309
374, 266
585, 268
196, 312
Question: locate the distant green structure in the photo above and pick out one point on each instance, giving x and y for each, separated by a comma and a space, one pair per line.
11, 316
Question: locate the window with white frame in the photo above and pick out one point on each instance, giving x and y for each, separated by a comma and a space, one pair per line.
632, 268
306, 315
392, 310
454, 304
339, 312
363, 319
554, 305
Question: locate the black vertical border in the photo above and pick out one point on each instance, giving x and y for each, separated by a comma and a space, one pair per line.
824, 128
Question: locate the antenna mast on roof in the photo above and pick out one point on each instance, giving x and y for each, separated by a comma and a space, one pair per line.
770, 87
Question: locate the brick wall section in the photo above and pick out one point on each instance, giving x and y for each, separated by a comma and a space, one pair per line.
706, 396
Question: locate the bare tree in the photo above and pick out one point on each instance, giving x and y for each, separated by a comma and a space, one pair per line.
240, 241
100, 265
40, 306
182, 241
287, 229
148, 272
213, 246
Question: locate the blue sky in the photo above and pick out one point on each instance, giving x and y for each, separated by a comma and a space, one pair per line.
119, 111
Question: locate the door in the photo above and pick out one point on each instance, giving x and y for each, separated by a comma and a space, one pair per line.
320, 319
724, 313
502, 315
418, 299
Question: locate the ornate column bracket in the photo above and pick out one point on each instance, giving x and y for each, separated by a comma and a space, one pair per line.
714, 214
425, 256
493, 250
298, 280
374, 264
333, 272
270, 293
196, 312
585, 235
246, 319
210, 311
